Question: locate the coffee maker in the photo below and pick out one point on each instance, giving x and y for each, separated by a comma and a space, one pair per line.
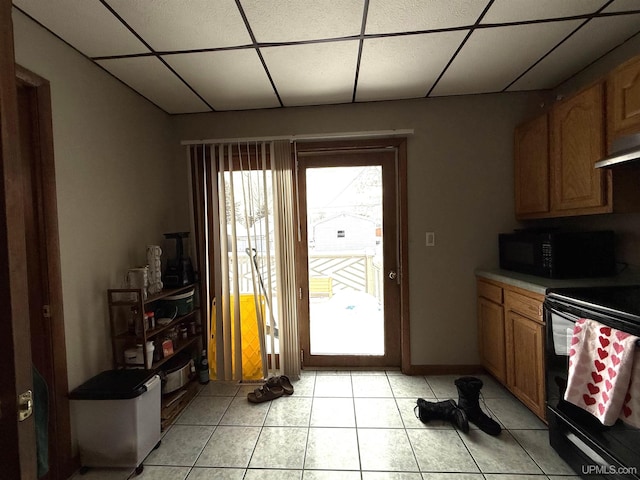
179, 271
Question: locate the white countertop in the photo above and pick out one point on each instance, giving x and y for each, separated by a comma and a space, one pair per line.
542, 285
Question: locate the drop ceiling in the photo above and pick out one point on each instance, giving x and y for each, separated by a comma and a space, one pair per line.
189, 56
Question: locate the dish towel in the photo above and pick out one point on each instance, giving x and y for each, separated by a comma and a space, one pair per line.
601, 360
631, 408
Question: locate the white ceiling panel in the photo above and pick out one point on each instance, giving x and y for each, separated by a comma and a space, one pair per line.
293, 20
170, 25
404, 67
582, 48
228, 80
623, 6
389, 16
320, 73
152, 79
411, 48
88, 25
494, 57
503, 11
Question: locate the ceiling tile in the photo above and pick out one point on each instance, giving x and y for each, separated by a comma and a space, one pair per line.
404, 66
173, 25
392, 16
623, 6
152, 79
311, 74
293, 20
589, 43
503, 11
88, 26
229, 80
493, 57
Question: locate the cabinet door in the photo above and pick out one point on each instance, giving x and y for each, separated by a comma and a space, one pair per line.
491, 337
525, 361
623, 97
531, 167
577, 142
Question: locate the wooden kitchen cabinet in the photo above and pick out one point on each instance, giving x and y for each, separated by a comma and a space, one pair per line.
491, 337
554, 176
524, 334
531, 168
577, 142
511, 340
623, 100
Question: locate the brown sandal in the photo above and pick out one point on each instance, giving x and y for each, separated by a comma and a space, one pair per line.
265, 393
283, 382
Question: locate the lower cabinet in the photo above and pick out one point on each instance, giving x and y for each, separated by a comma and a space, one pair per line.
511, 340
525, 363
491, 338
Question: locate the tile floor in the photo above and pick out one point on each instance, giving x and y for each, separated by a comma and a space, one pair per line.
346, 425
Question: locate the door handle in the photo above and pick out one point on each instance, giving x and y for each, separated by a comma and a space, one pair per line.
393, 275
25, 405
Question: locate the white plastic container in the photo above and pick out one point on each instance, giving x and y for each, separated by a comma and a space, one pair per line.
117, 417
134, 356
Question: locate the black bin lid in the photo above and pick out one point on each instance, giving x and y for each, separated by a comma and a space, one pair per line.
113, 385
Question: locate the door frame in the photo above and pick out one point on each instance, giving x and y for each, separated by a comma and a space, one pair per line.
399, 144
17, 443
50, 279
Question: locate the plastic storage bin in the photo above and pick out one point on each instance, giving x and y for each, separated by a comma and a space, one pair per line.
117, 418
183, 302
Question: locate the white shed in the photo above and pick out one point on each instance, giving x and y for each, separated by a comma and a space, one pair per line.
344, 232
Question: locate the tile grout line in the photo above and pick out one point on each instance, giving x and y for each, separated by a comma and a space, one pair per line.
355, 423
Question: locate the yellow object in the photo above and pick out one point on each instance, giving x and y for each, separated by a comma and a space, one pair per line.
251, 354
321, 287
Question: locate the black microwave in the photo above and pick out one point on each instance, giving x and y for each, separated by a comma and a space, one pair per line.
558, 254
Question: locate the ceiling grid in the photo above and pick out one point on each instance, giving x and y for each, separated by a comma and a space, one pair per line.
192, 56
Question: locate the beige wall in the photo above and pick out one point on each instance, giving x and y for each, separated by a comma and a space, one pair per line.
460, 186
122, 182
114, 177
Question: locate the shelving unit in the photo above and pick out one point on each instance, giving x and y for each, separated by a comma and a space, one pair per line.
127, 309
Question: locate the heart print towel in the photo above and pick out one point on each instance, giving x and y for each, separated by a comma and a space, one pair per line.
601, 361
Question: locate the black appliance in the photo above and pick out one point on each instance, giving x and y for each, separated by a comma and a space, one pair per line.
558, 254
592, 450
179, 270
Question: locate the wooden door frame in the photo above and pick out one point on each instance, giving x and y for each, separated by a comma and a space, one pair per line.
43, 170
17, 442
400, 146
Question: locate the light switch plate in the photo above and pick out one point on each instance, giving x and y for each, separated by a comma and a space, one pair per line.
431, 239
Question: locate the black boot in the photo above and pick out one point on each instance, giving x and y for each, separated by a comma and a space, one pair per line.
445, 410
468, 400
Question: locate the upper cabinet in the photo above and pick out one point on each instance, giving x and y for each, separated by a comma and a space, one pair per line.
531, 169
623, 95
555, 153
577, 139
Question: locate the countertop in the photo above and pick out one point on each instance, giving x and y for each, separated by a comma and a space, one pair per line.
542, 285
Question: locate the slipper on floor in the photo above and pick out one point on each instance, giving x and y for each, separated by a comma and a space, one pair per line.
283, 382
265, 393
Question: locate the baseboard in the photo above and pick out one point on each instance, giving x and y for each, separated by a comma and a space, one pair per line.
445, 370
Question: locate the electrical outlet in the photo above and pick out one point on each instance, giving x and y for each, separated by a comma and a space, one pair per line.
431, 239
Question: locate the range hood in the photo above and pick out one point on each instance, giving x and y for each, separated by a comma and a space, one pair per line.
625, 150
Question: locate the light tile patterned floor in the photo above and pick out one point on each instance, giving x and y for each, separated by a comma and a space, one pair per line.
346, 425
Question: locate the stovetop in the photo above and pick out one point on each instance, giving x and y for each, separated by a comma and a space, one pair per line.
621, 301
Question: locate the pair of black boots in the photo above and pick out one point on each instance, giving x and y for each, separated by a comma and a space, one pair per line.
467, 410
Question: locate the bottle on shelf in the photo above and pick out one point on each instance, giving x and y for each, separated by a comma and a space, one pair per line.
203, 368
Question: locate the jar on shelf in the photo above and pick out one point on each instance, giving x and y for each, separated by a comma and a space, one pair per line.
183, 332
192, 328
149, 320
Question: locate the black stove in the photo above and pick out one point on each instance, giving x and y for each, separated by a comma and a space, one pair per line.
620, 301
593, 450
